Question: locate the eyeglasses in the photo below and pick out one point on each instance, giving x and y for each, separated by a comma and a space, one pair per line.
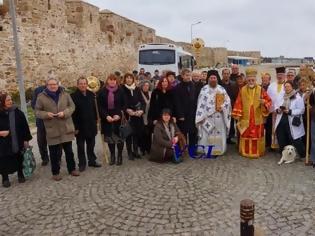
52, 84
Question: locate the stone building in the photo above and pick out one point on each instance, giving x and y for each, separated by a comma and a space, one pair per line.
71, 37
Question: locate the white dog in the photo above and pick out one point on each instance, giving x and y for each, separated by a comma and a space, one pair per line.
288, 155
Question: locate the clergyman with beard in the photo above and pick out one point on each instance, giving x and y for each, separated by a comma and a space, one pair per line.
251, 107
213, 115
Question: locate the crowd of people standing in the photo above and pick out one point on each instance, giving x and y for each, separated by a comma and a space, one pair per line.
201, 108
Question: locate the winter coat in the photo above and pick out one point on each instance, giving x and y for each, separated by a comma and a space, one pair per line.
8, 159
186, 97
58, 130
37, 91
161, 142
297, 109
108, 129
232, 90
84, 116
134, 102
159, 101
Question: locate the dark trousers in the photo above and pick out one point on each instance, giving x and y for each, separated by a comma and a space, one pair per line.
42, 142
285, 138
132, 143
268, 129
192, 138
90, 144
232, 129
192, 133
55, 152
145, 144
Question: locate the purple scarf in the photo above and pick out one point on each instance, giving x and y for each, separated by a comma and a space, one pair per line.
111, 97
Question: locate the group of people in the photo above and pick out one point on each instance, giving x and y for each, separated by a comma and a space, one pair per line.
162, 111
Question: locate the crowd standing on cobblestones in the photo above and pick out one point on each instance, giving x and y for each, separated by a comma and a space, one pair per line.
163, 108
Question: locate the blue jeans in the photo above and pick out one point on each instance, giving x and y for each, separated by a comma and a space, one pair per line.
313, 141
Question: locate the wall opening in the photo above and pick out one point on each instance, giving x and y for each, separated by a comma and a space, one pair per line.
1, 28
49, 5
91, 18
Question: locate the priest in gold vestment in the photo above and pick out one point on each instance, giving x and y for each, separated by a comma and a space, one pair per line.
251, 107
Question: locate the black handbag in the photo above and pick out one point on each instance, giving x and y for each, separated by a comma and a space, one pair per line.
125, 128
296, 121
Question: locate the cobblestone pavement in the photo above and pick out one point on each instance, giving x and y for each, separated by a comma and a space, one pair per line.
197, 197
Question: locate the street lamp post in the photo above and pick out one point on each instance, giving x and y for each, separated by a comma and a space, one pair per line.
18, 58
191, 32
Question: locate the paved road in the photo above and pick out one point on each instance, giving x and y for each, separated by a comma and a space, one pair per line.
197, 197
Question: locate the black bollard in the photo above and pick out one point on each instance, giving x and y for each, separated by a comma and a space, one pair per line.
247, 212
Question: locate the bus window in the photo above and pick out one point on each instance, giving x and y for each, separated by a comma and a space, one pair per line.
180, 64
156, 57
186, 62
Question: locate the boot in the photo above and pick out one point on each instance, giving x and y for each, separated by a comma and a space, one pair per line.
21, 178
130, 154
129, 149
135, 149
111, 147
5, 181
120, 147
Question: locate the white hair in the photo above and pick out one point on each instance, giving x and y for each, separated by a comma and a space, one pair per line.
51, 76
291, 71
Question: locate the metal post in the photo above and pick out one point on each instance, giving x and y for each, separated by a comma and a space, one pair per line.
191, 26
18, 59
191, 33
247, 211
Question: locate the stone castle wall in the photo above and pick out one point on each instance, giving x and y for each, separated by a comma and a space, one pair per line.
70, 37
75, 38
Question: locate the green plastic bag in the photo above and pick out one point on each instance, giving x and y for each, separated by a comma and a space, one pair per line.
29, 163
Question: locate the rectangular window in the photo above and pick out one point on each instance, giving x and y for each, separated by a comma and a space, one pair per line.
157, 57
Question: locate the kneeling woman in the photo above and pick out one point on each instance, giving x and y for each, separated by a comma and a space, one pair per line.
164, 138
289, 121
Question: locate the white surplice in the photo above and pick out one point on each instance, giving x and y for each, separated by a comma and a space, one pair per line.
213, 126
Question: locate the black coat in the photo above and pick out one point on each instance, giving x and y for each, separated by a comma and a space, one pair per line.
186, 97
232, 90
198, 85
233, 77
159, 101
134, 102
84, 117
109, 128
8, 159
37, 91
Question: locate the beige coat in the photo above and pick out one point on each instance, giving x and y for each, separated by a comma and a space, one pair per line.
58, 130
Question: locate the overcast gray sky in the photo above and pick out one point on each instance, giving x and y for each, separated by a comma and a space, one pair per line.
275, 27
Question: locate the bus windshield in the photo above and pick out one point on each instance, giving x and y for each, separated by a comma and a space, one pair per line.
157, 57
